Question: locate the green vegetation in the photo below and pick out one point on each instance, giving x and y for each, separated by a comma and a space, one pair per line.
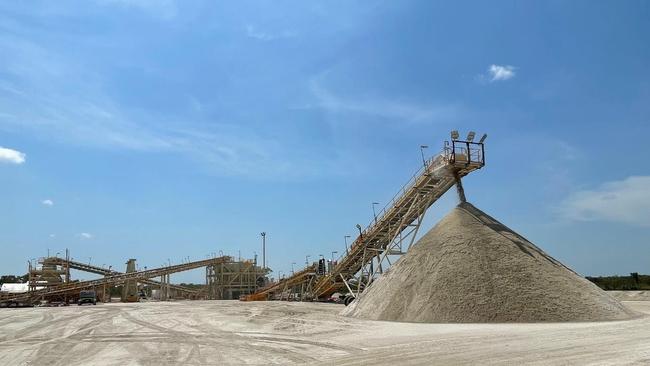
193, 286
13, 279
634, 281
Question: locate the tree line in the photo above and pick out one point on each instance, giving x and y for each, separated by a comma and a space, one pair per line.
634, 281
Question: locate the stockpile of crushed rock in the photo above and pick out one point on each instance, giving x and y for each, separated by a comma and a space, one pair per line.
470, 268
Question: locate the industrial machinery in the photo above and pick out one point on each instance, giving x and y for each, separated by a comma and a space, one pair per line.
66, 264
130, 288
389, 235
87, 297
232, 279
72, 289
391, 232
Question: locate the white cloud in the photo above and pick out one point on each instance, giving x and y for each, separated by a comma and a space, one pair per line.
84, 236
11, 156
253, 32
84, 114
625, 201
47, 202
163, 9
380, 107
52, 235
501, 72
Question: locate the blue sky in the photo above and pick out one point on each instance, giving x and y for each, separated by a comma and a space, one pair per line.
163, 129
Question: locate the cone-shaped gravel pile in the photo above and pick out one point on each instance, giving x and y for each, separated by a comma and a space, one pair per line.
470, 268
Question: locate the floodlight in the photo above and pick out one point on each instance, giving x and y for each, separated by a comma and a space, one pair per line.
454, 135
470, 136
482, 138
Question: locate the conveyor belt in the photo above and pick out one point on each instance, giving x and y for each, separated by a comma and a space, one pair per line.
107, 272
405, 211
75, 287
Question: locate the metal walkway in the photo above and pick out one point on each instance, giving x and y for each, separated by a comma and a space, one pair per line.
107, 272
393, 230
75, 287
303, 278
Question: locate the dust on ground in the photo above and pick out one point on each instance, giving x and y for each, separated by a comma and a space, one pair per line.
260, 333
631, 295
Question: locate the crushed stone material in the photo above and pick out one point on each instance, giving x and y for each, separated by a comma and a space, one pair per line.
470, 268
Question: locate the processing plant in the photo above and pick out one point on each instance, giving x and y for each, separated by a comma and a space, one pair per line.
391, 232
387, 237
226, 278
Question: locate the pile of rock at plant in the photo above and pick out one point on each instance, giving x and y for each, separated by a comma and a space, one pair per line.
470, 268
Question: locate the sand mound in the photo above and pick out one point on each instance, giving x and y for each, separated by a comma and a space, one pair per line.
470, 268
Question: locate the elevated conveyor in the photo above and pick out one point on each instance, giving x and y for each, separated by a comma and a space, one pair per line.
395, 228
304, 277
108, 272
113, 279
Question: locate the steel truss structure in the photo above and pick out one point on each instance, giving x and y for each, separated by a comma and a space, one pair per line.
297, 286
73, 288
67, 264
392, 232
232, 279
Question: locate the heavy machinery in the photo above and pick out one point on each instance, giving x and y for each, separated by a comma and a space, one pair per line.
87, 297
66, 264
391, 232
72, 289
130, 287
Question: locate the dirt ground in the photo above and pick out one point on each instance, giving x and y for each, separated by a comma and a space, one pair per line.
236, 333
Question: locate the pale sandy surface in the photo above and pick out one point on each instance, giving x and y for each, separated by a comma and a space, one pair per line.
470, 268
631, 295
236, 333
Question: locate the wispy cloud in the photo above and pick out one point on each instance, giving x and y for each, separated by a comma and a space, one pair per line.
253, 32
625, 201
85, 114
47, 202
11, 156
85, 236
381, 107
501, 72
163, 9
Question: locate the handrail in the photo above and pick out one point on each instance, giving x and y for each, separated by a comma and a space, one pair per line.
150, 273
438, 174
103, 271
272, 286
